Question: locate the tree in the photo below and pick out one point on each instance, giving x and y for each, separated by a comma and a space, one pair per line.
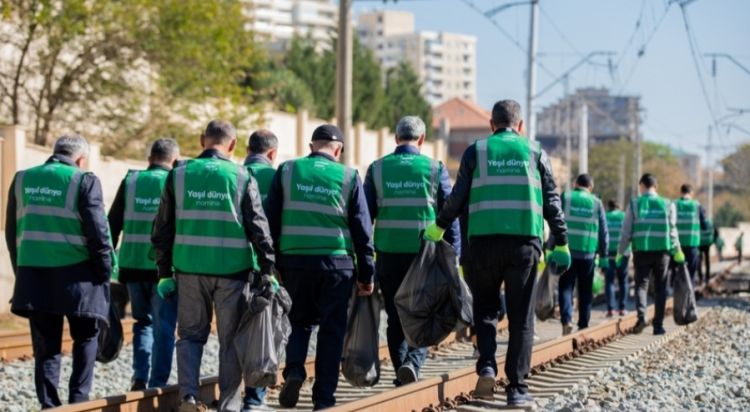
737, 169
728, 215
403, 92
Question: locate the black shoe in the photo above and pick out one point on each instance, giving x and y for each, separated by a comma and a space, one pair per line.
659, 330
519, 397
138, 385
407, 374
289, 395
639, 326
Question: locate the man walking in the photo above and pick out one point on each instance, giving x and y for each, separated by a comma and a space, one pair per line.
211, 228
59, 245
651, 224
587, 234
616, 271
691, 219
320, 222
709, 237
132, 214
405, 190
261, 154
738, 246
506, 181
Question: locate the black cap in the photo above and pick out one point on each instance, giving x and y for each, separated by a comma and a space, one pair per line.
328, 132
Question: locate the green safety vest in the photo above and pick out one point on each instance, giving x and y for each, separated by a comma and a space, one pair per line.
707, 235
406, 188
48, 226
651, 226
506, 189
263, 174
210, 238
142, 196
314, 220
614, 229
688, 222
582, 217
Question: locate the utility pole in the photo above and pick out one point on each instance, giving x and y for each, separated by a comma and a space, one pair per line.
710, 164
635, 136
344, 62
621, 185
531, 91
568, 143
583, 142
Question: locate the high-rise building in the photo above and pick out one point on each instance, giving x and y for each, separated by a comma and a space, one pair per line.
276, 22
444, 62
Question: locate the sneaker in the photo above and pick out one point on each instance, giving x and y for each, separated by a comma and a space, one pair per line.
639, 326
659, 330
475, 354
138, 385
567, 329
519, 397
407, 374
289, 395
485, 388
610, 313
190, 404
623, 312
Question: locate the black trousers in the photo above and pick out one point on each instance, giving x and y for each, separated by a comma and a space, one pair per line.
704, 261
647, 265
498, 261
46, 337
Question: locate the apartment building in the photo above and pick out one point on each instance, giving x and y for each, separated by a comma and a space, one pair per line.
276, 22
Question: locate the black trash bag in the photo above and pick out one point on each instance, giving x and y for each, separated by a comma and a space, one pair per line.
119, 296
262, 334
360, 362
544, 295
684, 310
110, 337
433, 300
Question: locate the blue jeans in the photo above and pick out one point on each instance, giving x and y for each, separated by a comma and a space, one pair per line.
581, 271
620, 274
153, 333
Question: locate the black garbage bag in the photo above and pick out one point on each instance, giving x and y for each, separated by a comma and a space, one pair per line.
544, 295
110, 337
262, 334
433, 300
360, 362
684, 310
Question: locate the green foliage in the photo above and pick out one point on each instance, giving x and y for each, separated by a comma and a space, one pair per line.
728, 215
737, 169
404, 97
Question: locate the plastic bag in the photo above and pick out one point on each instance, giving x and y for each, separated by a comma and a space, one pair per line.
597, 286
433, 300
684, 310
262, 334
360, 362
110, 337
545, 295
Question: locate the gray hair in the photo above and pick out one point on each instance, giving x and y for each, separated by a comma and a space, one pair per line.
506, 113
72, 146
410, 128
164, 150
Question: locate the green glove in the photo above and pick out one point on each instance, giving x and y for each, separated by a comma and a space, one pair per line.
678, 256
270, 281
560, 257
618, 260
434, 233
166, 287
604, 263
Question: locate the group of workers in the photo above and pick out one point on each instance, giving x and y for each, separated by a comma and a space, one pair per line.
193, 234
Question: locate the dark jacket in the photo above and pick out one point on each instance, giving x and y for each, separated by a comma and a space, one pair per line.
253, 220
81, 289
452, 234
360, 228
116, 219
552, 209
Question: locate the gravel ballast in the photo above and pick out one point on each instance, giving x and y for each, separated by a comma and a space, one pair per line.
706, 367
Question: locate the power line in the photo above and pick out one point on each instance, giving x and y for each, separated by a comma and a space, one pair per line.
560, 32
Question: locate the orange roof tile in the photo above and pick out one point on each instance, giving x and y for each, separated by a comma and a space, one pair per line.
461, 114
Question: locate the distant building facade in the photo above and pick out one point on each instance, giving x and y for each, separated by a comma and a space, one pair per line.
609, 118
276, 22
444, 62
466, 123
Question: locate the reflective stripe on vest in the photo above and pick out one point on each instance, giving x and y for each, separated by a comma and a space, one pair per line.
49, 231
210, 238
406, 187
142, 197
651, 226
582, 217
506, 194
315, 213
688, 222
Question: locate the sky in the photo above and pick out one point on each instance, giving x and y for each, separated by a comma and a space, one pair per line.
665, 76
